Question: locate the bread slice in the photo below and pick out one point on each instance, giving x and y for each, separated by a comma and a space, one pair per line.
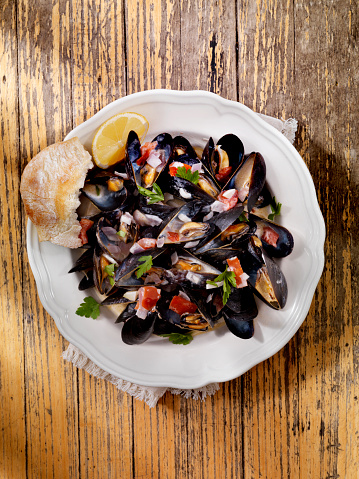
50, 188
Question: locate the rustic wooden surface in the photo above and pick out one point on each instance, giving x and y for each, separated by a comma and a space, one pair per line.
295, 415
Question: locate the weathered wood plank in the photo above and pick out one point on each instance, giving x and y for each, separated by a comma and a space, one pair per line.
328, 361
12, 391
270, 390
51, 389
98, 77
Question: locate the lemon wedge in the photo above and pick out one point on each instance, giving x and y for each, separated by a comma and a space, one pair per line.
109, 143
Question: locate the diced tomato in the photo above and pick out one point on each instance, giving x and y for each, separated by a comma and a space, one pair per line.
173, 237
223, 175
270, 236
147, 243
235, 266
146, 149
148, 297
173, 168
85, 226
229, 202
181, 305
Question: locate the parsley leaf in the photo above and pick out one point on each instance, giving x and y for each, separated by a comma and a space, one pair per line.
121, 233
143, 268
229, 279
243, 218
182, 172
90, 308
178, 338
154, 196
110, 270
275, 207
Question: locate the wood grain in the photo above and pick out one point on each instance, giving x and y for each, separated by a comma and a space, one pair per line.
294, 415
12, 390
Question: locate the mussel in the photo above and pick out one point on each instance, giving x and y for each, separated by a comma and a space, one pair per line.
226, 158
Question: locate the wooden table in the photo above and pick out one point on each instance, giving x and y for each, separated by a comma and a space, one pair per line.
295, 415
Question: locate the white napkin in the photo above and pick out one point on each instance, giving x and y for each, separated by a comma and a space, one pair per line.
151, 395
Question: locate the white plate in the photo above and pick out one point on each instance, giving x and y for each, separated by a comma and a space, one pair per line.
217, 355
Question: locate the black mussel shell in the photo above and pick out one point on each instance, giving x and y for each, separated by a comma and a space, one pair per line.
181, 146
137, 330
241, 302
228, 153
250, 176
207, 154
125, 274
200, 301
104, 199
265, 197
116, 297
240, 328
87, 281
269, 283
85, 261
128, 312
186, 190
283, 237
150, 175
133, 153
162, 326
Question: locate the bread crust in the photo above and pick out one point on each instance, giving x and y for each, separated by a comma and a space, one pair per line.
50, 188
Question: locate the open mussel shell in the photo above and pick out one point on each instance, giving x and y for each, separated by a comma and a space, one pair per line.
108, 196
226, 158
181, 147
85, 261
207, 154
163, 151
100, 277
186, 190
125, 275
183, 227
281, 240
163, 326
118, 247
116, 297
200, 301
137, 330
232, 237
87, 281
128, 311
269, 283
249, 179
218, 224
133, 153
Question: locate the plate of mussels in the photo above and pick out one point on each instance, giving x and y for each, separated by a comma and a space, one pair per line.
204, 250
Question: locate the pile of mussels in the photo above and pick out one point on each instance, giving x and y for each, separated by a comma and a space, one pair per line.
190, 235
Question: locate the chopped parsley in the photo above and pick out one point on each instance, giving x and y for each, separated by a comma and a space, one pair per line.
90, 308
145, 266
121, 233
110, 270
243, 218
182, 172
178, 338
228, 278
275, 207
153, 196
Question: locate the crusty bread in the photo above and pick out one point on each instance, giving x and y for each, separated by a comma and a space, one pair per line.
50, 187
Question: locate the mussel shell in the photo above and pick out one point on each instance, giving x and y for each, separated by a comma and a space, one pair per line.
234, 148
241, 302
133, 153
252, 171
115, 247
240, 328
125, 274
106, 200
101, 281
269, 284
162, 326
87, 281
137, 330
181, 143
207, 154
128, 311
186, 190
85, 261
285, 242
164, 146
200, 301
116, 297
